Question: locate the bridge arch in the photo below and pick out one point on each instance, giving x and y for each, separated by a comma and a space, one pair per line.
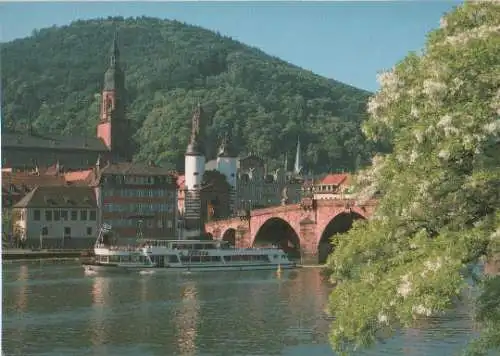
277, 231
230, 236
339, 224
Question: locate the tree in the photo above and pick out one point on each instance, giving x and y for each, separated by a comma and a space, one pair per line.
438, 216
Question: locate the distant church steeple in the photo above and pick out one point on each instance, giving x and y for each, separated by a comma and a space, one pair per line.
297, 169
113, 127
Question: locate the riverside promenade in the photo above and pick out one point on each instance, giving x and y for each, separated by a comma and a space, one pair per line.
16, 254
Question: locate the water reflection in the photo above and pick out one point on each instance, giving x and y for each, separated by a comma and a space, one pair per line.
211, 314
22, 297
186, 320
100, 293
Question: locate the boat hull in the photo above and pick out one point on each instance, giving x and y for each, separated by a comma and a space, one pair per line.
100, 268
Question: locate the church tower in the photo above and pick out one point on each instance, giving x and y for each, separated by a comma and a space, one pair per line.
194, 161
297, 168
227, 165
113, 127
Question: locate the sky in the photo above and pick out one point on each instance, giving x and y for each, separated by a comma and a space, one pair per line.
348, 41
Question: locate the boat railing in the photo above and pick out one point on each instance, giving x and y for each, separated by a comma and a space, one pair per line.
117, 248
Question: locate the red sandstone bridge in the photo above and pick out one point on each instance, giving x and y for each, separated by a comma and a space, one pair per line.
304, 229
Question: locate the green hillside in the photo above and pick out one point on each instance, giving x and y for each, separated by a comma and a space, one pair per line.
53, 80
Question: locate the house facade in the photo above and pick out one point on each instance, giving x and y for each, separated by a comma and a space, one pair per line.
56, 217
136, 198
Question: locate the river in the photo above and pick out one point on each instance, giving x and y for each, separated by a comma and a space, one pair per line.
52, 308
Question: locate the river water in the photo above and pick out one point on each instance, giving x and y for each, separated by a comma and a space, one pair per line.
53, 308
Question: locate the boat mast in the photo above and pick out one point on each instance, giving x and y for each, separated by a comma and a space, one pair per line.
140, 236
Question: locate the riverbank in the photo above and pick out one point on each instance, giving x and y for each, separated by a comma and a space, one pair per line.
15, 254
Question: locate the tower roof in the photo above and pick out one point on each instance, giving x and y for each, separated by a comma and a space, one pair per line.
195, 146
113, 78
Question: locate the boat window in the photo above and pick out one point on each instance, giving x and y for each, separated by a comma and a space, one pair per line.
173, 259
215, 258
114, 259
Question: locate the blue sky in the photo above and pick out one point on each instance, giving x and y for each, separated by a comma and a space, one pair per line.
348, 41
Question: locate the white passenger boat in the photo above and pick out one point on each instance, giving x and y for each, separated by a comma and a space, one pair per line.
181, 255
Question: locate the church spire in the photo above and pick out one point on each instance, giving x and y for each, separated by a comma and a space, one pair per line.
114, 78
195, 146
226, 149
115, 52
297, 169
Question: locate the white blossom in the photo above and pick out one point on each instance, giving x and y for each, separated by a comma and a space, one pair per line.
492, 128
404, 288
445, 121
389, 80
414, 112
444, 154
419, 136
382, 318
433, 266
495, 104
373, 105
413, 156
443, 23
495, 234
480, 32
421, 310
433, 88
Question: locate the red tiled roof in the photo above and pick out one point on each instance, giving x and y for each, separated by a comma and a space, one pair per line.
55, 196
335, 179
30, 180
78, 175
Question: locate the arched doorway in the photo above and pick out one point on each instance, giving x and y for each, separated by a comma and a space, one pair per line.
230, 236
338, 225
278, 232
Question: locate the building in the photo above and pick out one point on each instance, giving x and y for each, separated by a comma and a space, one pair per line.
134, 198
228, 184
56, 217
15, 185
333, 186
26, 151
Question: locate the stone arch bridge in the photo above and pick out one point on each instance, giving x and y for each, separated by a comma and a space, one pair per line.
303, 230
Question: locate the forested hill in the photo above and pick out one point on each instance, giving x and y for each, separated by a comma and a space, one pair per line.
53, 80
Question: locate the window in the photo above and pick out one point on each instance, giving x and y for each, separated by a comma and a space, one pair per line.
89, 231
57, 215
74, 215
48, 215
64, 214
83, 215
36, 215
195, 173
93, 215
67, 232
169, 224
45, 231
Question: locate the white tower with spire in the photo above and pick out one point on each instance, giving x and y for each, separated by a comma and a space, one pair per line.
194, 170
227, 164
